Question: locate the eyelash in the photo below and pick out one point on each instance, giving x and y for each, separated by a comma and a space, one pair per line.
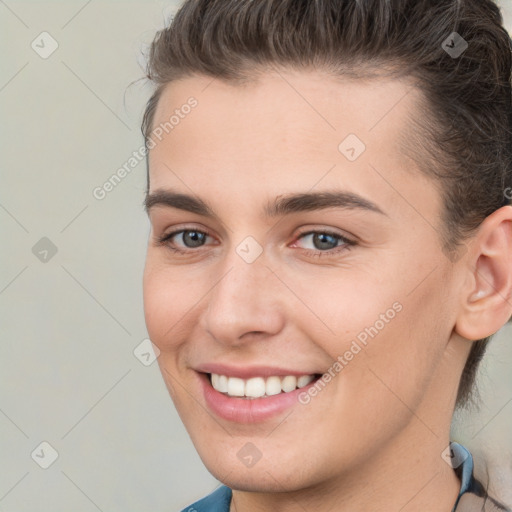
347, 243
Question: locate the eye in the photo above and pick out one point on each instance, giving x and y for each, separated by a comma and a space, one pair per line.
184, 239
323, 241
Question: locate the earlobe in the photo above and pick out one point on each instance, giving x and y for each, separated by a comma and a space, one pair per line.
486, 305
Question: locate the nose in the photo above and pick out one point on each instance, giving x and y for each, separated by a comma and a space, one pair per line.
245, 303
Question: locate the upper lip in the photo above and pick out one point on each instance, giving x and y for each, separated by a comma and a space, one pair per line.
246, 372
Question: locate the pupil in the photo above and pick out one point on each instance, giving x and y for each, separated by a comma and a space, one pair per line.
324, 241
193, 238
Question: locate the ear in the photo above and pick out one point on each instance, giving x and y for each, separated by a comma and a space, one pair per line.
487, 299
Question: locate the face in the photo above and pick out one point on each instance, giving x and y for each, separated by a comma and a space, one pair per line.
292, 240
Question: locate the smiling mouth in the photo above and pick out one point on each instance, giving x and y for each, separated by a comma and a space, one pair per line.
259, 387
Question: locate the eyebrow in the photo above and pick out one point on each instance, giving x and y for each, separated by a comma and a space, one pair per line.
177, 200
308, 201
283, 205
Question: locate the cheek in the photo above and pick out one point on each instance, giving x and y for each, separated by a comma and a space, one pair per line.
404, 356
353, 310
167, 301
387, 335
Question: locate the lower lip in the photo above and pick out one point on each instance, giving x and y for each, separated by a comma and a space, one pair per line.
248, 410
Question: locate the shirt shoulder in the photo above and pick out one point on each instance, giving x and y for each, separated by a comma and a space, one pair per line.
473, 496
470, 502
217, 501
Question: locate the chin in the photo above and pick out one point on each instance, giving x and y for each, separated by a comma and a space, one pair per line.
268, 475
253, 480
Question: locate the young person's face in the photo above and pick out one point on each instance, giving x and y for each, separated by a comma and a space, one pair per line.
382, 304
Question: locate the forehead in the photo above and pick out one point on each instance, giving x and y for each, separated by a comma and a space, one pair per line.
289, 131
298, 108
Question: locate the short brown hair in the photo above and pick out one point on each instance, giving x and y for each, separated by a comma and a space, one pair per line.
464, 137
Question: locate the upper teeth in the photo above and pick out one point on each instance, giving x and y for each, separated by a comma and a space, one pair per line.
258, 386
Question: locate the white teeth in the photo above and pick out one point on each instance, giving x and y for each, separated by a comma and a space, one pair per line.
304, 380
273, 386
236, 386
257, 387
223, 383
289, 383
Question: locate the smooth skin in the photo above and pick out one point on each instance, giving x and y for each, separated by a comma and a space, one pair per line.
373, 438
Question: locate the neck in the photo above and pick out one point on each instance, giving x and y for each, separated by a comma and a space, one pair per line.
398, 478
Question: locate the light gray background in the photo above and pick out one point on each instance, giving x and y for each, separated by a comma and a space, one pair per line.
70, 324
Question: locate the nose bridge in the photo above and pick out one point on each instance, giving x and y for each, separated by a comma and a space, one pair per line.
244, 298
